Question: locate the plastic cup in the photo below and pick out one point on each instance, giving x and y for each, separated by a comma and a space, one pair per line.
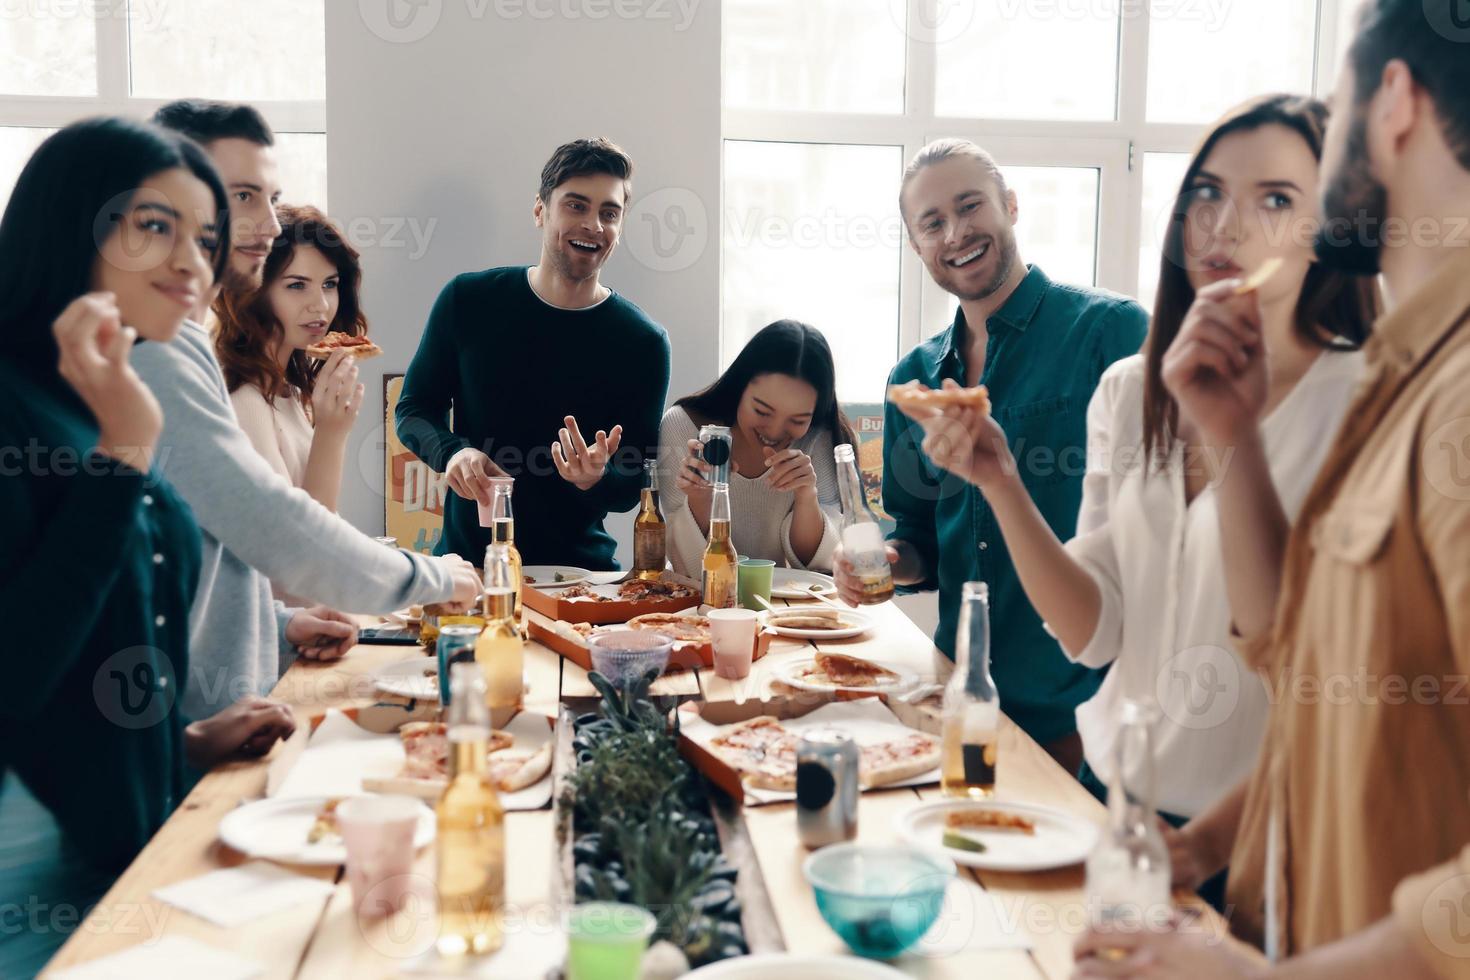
753, 578
606, 940
487, 513
378, 832
733, 632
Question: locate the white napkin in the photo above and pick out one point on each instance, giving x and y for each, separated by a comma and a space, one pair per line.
171, 958
528, 954
233, 896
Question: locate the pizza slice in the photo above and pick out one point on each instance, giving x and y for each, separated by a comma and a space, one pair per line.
893, 761
842, 670
919, 397
359, 347
682, 629
325, 825
989, 820
426, 748
761, 751
515, 769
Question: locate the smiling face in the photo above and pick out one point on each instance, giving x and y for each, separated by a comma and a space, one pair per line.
304, 298
775, 410
1254, 198
962, 226
253, 186
159, 257
581, 223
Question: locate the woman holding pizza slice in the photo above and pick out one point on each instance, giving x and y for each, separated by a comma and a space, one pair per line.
1140, 587
297, 409
109, 240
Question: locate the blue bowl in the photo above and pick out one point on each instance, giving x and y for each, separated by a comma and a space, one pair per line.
879, 898
624, 656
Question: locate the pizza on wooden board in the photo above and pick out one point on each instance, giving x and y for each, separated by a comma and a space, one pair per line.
763, 752
359, 347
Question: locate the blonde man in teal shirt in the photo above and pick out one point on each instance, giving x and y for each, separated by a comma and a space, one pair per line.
1040, 347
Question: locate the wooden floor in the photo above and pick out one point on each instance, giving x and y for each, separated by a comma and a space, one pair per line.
325, 940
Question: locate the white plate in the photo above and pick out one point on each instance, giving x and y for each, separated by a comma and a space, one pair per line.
859, 624
545, 576
1061, 840
786, 674
785, 966
405, 679
796, 583
277, 829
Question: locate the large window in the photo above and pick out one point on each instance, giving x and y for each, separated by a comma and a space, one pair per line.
60, 62
1091, 106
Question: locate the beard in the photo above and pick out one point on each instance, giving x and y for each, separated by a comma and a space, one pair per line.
1354, 207
1004, 244
566, 269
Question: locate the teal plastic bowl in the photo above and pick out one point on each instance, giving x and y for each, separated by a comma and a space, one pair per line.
880, 898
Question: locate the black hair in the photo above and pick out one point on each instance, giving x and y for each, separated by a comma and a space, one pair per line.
205, 121
787, 347
1432, 40
63, 208
582, 157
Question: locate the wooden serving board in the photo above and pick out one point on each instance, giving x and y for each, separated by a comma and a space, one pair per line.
549, 603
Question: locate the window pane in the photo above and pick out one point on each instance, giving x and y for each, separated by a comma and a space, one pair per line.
1056, 229
1162, 174
1203, 59
48, 49
302, 158
827, 55
812, 232
16, 147
224, 49
1024, 60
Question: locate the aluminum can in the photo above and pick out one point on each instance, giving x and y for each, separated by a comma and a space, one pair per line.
717, 447
826, 788
456, 645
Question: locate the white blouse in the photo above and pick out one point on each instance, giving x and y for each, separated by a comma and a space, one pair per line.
760, 517
1165, 619
281, 432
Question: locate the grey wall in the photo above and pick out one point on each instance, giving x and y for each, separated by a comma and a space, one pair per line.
438, 125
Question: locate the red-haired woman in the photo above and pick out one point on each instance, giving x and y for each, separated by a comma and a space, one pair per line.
297, 411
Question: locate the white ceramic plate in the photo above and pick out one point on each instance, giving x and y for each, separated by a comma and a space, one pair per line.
277, 829
545, 576
786, 674
1061, 840
786, 966
796, 583
856, 625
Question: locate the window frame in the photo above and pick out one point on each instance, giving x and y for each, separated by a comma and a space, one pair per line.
1116, 148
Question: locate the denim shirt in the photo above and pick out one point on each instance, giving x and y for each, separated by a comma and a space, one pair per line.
1048, 345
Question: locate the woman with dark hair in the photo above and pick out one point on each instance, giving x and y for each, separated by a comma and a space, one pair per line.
296, 410
1140, 587
114, 231
779, 400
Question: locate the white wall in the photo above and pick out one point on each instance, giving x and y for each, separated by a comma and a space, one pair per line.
441, 121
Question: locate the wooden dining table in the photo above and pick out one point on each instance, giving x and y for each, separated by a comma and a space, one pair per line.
1036, 916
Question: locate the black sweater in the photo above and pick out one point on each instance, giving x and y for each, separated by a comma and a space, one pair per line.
510, 366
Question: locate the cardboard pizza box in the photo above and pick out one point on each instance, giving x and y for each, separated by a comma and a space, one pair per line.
550, 603
685, 656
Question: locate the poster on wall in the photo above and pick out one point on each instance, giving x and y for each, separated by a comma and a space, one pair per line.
414, 499
867, 423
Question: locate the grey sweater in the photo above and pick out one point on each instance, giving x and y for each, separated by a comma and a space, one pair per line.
257, 529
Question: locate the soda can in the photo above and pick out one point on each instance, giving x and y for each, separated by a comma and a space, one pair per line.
826, 788
717, 448
456, 644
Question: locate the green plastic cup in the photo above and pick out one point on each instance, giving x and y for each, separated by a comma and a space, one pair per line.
753, 578
606, 940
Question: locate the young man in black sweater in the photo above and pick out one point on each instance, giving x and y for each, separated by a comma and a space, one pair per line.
530, 359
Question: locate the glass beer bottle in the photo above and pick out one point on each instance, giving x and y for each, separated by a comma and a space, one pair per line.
649, 531
1128, 871
971, 703
471, 834
862, 538
498, 651
503, 530
720, 559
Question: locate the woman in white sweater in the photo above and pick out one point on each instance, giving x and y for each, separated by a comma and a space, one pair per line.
779, 400
297, 411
